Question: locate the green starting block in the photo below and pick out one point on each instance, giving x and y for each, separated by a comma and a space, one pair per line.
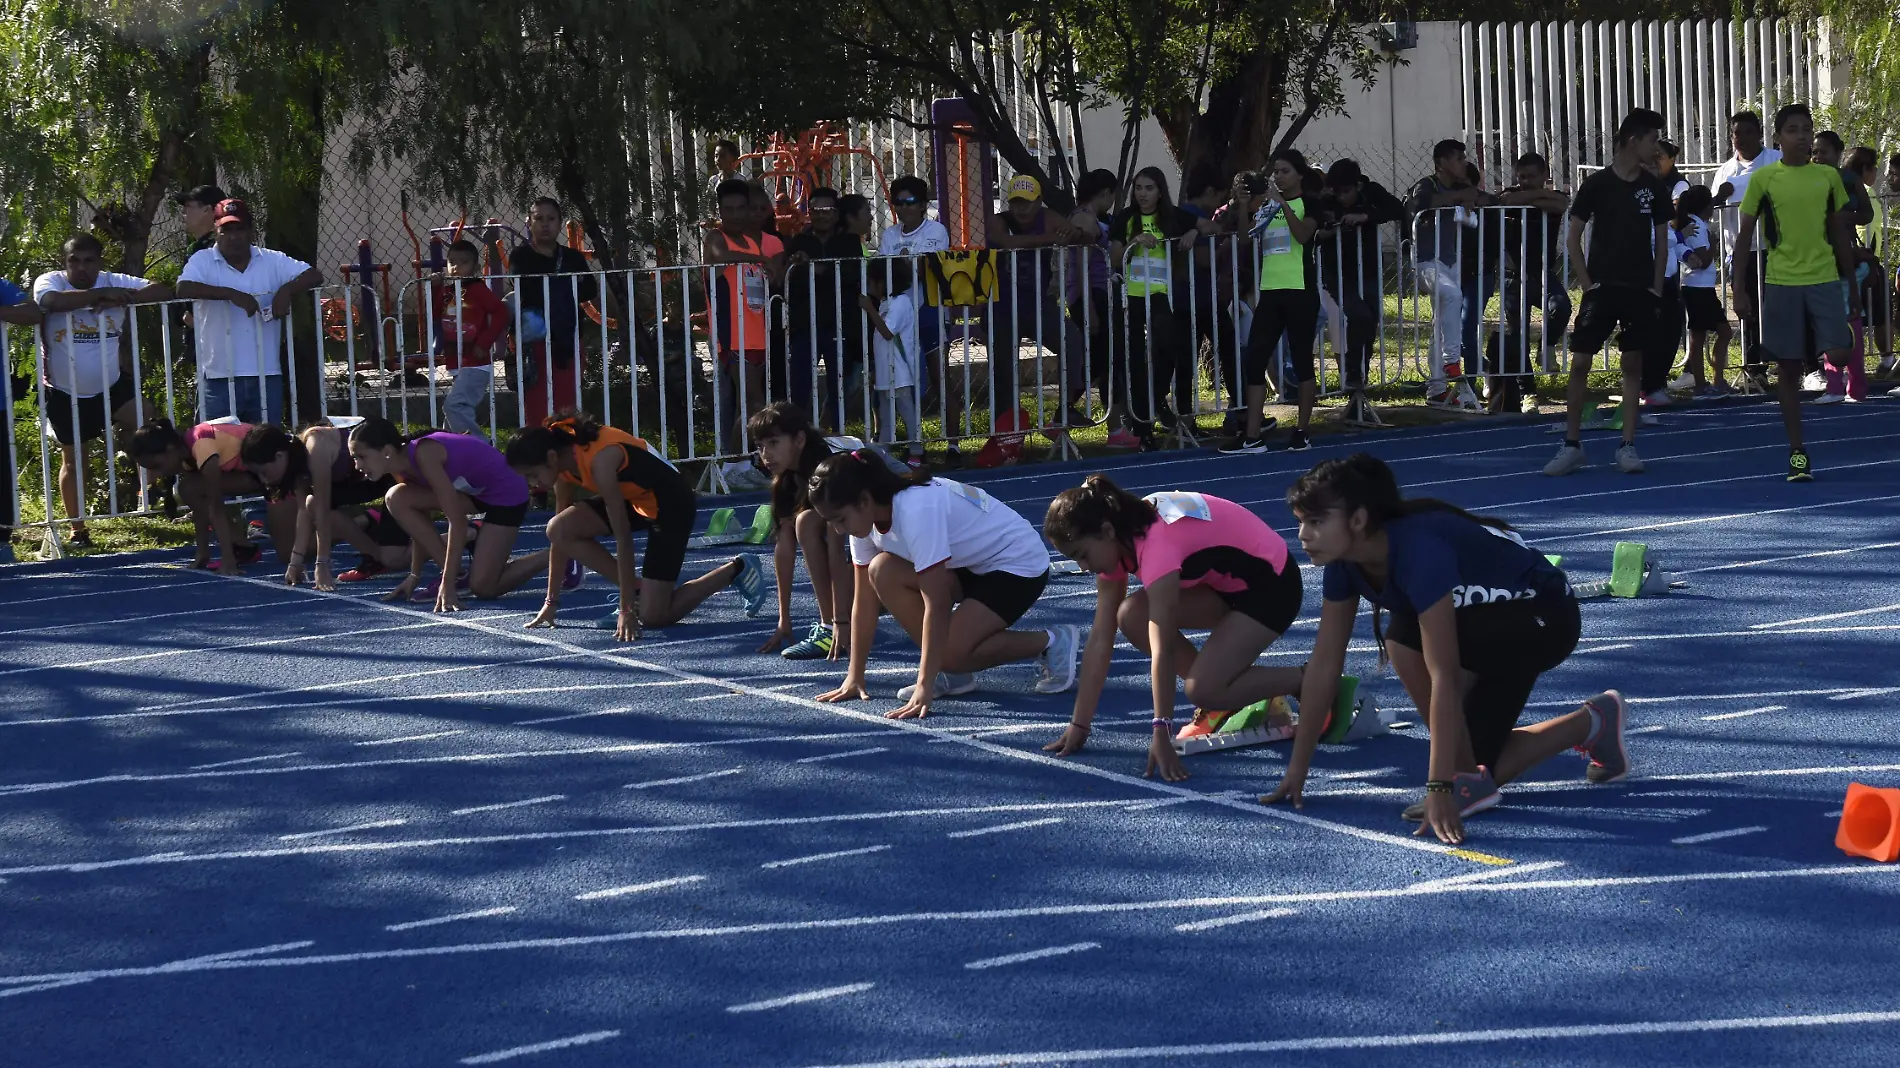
1352, 718
1633, 573
761, 529
720, 529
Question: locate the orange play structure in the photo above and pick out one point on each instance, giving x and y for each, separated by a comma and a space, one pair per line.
791, 167
1870, 823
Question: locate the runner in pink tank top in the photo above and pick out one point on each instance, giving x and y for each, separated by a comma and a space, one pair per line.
1204, 564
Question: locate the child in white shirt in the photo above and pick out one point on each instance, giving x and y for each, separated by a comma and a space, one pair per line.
1695, 214
896, 367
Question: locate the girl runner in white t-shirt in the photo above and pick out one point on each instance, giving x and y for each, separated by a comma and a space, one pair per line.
956, 568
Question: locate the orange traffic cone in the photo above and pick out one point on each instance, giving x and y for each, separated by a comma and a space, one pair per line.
1870, 823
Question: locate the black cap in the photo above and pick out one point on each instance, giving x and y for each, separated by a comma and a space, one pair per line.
207, 195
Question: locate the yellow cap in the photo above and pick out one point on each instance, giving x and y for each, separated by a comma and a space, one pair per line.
1022, 187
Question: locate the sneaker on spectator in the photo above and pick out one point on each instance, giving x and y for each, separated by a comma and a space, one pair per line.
1242, 445
1815, 382
1627, 461
1658, 399
1569, 458
1682, 382
1886, 367
948, 684
1298, 442
1123, 438
1829, 398
1474, 791
1711, 392
1799, 468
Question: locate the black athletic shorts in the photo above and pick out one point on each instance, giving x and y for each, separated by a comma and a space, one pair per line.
383, 528
501, 515
1009, 596
1507, 644
667, 537
94, 411
1605, 309
1705, 308
359, 490
1248, 584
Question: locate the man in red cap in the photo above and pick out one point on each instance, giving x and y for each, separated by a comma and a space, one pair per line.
243, 297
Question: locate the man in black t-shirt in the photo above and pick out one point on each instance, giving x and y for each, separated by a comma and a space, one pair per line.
1628, 210
822, 298
550, 316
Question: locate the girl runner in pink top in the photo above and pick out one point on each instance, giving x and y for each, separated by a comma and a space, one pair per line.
202, 466
1204, 564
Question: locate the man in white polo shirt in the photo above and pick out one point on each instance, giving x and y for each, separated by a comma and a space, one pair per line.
1730, 185
88, 361
243, 297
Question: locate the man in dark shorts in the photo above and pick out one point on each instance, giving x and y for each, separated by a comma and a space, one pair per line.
1622, 278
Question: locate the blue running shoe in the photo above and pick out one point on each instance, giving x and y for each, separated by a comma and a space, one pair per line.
816, 646
750, 582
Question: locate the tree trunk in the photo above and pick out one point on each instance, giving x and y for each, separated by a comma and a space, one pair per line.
175, 156
1235, 132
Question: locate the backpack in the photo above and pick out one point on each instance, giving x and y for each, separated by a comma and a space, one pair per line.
959, 279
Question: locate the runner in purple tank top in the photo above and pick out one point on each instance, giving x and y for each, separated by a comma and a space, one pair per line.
456, 475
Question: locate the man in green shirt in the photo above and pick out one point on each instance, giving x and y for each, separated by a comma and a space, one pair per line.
1801, 208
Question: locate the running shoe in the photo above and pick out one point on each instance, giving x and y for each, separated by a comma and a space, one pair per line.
255, 530
1627, 461
914, 462
1475, 791
1123, 438
1815, 382
1682, 382
1658, 399
1203, 724
1056, 666
1829, 398
1886, 367
364, 570
816, 646
1244, 445
426, 593
1569, 458
1298, 442
949, 684
573, 576
1798, 468
750, 582
1609, 757
81, 539
1711, 392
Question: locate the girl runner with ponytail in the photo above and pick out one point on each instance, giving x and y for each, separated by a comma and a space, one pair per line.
314, 470
1477, 616
791, 448
955, 567
206, 463
1204, 564
634, 489
457, 475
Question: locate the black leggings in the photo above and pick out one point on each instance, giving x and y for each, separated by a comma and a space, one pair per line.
1147, 354
1507, 644
1660, 357
1292, 313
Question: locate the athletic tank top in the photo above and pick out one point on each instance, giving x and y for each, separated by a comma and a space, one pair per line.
222, 440
746, 296
474, 467
642, 498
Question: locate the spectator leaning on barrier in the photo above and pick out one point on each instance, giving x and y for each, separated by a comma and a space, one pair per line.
1830, 151
1876, 297
549, 347
1087, 273
1533, 278
1147, 241
1446, 235
822, 285
916, 235
1351, 211
16, 309
469, 319
89, 371
1024, 237
1731, 184
749, 260
242, 296
1287, 306
1211, 320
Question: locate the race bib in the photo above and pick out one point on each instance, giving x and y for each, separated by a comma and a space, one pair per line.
1175, 505
1278, 241
755, 294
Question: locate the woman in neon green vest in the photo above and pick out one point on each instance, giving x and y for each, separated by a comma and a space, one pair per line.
1289, 301
1147, 340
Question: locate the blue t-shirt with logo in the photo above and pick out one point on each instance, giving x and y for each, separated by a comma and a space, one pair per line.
1435, 553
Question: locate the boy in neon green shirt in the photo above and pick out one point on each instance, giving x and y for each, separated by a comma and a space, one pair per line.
1800, 206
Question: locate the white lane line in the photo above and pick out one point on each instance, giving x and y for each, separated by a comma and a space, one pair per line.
1001, 827
1709, 697
1169, 802
824, 856
1369, 773
638, 888
14, 991
413, 738
1651, 729
166, 587
550, 836
1787, 559
244, 760
345, 684
509, 804
1855, 695
1414, 1040
301, 835
1825, 618
840, 756
1714, 836
228, 648
622, 710
1746, 712
800, 999
499, 1055
1225, 921
651, 783
1834, 815
1855, 872
1483, 876
716, 697
1034, 954
1607, 648
240, 954
1542, 538
476, 915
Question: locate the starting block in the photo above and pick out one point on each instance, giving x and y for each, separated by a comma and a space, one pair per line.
719, 529
1606, 417
1352, 718
1633, 573
1062, 565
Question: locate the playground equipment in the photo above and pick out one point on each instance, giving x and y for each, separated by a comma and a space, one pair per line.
965, 171
791, 167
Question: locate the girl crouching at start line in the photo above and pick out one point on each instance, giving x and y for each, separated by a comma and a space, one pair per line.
956, 568
1477, 616
207, 464
1204, 564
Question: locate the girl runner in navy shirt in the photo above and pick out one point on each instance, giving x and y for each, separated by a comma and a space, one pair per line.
1477, 616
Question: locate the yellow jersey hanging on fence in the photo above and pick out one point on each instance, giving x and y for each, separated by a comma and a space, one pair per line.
1149, 269
959, 279
1282, 257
